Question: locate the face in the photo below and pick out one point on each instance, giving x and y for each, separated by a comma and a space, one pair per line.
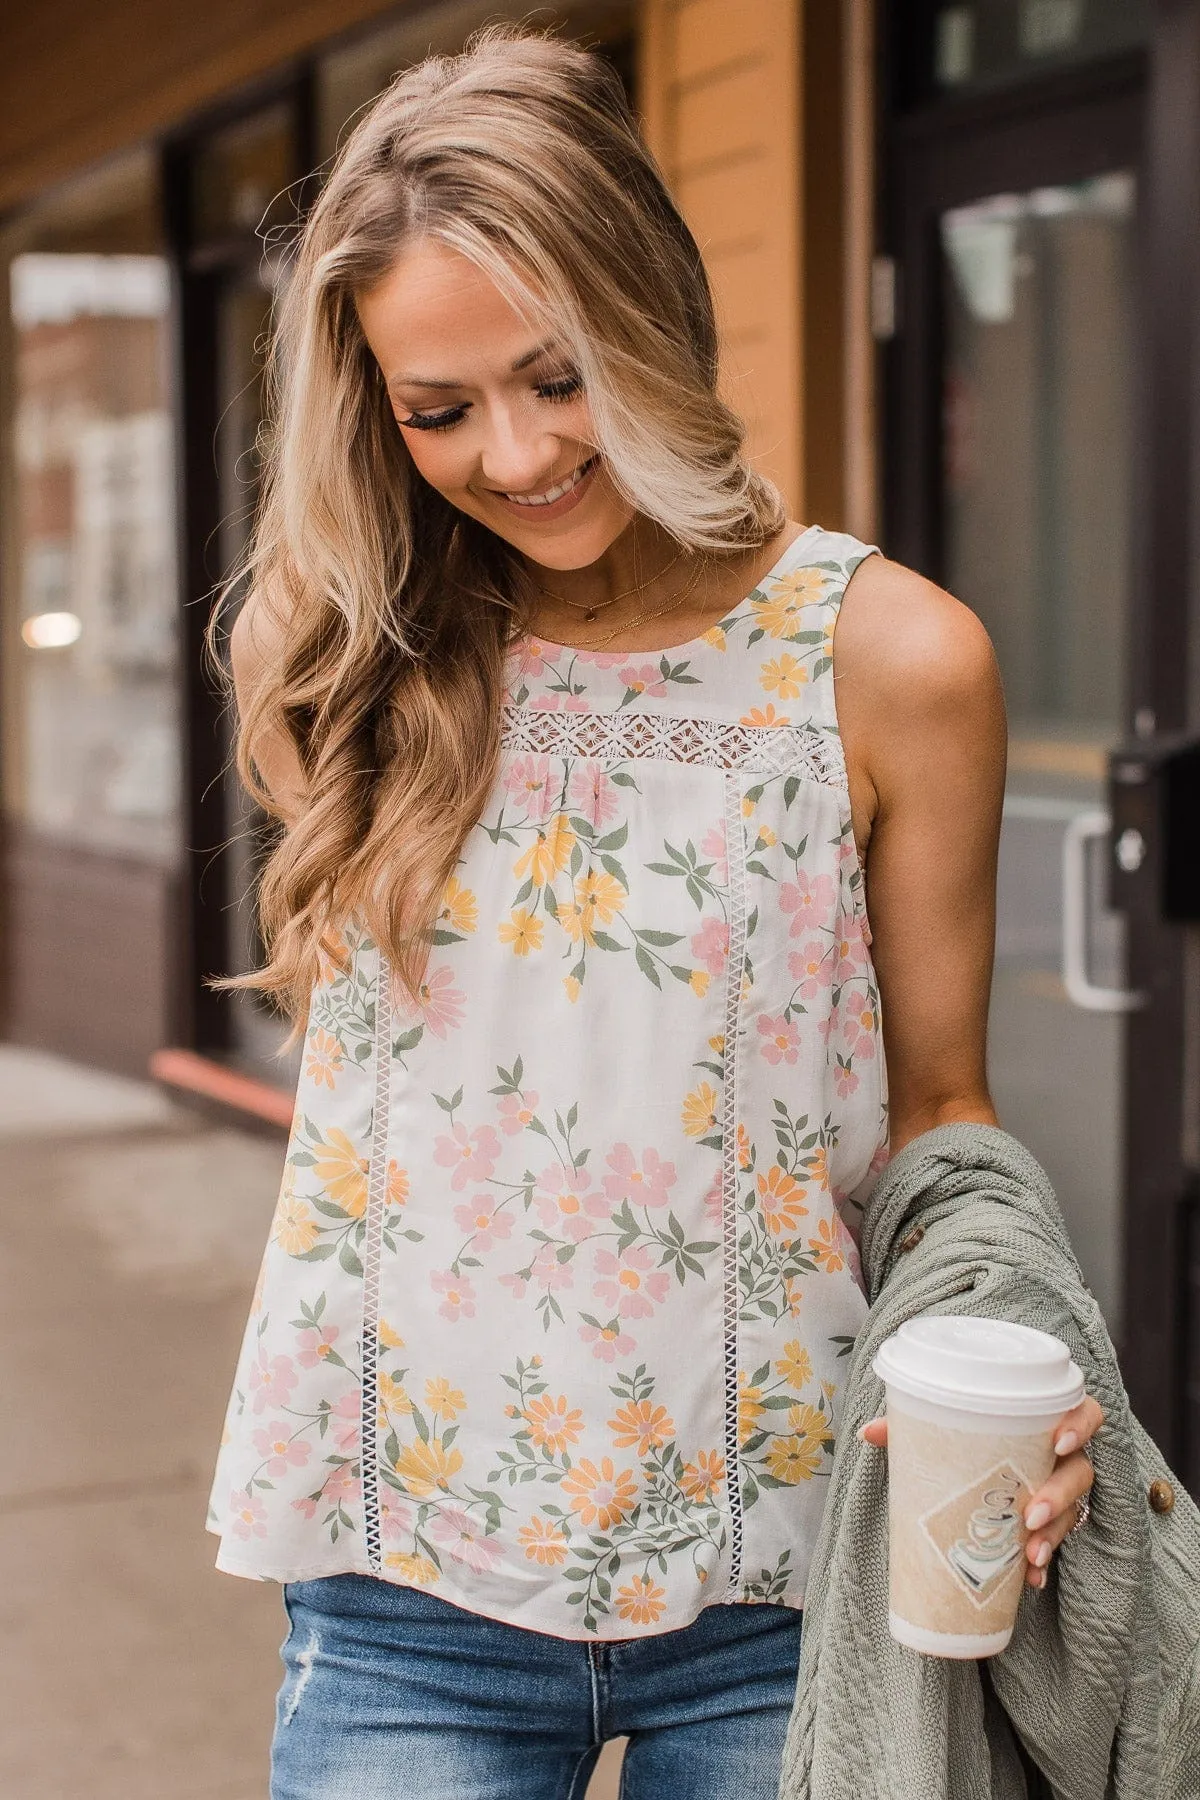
494, 416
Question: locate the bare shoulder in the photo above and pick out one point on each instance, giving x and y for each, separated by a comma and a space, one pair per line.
256, 641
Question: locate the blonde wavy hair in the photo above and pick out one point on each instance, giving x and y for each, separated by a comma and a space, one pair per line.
394, 611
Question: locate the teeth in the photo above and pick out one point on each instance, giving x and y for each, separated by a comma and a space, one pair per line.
554, 493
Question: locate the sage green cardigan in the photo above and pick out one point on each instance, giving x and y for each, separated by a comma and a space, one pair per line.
1097, 1697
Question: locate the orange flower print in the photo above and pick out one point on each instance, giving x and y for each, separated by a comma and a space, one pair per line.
795, 1365
444, 1401
744, 1151
342, 1172
599, 897
391, 1340
427, 1468
794, 1459
552, 1424
785, 676
416, 1571
641, 1602
296, 1231
600, 1496
700, 1111
324, 1060
701, 1479
826, 1248
816, 1168
782, 1200
750, 1408
460, 909
392, 1395
641, 1423
523, 931
809, 1421
397, 1183
778, 610
549, 853
544, 1541
333, 958
764, 715
698, 981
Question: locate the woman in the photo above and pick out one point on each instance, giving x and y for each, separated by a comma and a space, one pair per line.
541, 1381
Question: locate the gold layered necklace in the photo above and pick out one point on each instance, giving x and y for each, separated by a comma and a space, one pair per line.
641, 618
589, 611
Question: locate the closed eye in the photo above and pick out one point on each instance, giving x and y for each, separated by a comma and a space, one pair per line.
562, 388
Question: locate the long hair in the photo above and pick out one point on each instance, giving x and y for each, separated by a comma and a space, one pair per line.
395, 611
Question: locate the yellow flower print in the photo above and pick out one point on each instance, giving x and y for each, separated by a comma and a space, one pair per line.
698, 981
809, 1421
782, 1200
571, 984
794, 1459
397, 1183
424, 1468
545, 1541
641, 1423
785, 676
443, 1400
523, 931
324, 1061
701, 1479
601, 1496
296, 1231
826, 1248
747, 806
717, 1043
829, 1389
766, 837
599, 897
750, 1408
795, 1295
641, 1601
795, 1365
392, 1394
716, 637
343, 1173
743, 1147
700, 1110
778, 611
551, 1425
764, 715
417, 1570
549, 853
460, 909
391, 1340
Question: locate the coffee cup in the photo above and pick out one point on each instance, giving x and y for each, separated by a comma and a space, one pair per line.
973, 1407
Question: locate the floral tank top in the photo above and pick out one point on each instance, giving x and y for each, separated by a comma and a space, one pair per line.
555, 1309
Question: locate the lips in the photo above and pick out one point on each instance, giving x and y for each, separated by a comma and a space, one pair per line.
553, 501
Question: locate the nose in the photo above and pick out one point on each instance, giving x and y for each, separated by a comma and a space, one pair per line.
518, 455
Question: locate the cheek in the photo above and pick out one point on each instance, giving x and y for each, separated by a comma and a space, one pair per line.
444, 464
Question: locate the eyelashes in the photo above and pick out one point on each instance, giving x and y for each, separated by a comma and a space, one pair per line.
565, 387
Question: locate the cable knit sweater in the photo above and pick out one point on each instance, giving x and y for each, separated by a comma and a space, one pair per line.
1097, 1697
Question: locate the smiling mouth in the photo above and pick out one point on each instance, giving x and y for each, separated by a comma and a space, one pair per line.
559, 490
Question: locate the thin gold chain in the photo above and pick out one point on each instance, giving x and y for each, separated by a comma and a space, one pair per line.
591, 608
654, 613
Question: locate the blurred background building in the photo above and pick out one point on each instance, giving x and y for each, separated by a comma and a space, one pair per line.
956, 254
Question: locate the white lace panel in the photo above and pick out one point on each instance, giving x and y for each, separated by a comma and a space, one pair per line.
376, 1205
807, 750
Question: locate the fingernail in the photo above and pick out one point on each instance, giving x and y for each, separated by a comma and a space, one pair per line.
1041, 1580
1037, 1515
1067, 1442
862, 1434
1043, 1555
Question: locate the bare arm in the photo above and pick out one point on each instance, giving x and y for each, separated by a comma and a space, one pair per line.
922, 715
254, 643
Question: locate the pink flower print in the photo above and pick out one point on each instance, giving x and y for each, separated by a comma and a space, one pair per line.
548, 1273
629, 1282
647, 1184
564, 1203
515, 1111
811, 968
471, 1154
283, 1451
559, 703
528, 783
844, 1079
607, 1341
809, 899
714, 1203
440, 1004
516, 1284
710, 945
343, 1484
592, 793
271, 1383
315, 1341
345, 1423
460, 1295
465, 1539
781, 1040
713, 849
607, 659
859, 1024
480, 1217
851, 949
247, 1514
644, 678
395, 1520
306, 1506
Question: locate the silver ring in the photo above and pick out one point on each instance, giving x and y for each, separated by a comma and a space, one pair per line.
1083, 1512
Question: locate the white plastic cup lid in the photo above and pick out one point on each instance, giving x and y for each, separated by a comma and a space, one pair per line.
980, 1365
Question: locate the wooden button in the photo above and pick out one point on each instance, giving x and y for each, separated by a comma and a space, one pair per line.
1161, 1496
912, 1238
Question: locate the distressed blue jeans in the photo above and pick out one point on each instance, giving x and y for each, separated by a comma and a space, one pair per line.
390, 1691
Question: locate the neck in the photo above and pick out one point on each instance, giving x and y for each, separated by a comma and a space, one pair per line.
634, 560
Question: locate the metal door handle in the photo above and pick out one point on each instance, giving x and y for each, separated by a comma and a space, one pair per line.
1080, 830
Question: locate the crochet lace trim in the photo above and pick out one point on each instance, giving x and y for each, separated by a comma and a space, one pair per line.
735, 976
372, 1246
807, 749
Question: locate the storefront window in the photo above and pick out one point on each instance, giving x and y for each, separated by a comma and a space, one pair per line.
943, 50
92, 704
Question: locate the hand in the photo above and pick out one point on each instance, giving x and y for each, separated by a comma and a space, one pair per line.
1051, 1512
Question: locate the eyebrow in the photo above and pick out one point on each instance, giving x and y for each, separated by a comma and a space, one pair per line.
426, 381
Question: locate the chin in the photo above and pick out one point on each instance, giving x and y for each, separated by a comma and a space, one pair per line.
569, 545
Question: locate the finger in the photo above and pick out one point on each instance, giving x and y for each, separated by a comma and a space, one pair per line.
1079, 1426
1052, 1511
875, 1433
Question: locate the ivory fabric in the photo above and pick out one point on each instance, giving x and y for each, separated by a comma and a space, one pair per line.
555, 1311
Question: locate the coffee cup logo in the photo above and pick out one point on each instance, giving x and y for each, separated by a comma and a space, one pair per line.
978, 1532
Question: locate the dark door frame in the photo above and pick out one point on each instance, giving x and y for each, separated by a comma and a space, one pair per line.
1139, 111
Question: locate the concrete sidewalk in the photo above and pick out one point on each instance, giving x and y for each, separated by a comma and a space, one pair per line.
130, 1236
